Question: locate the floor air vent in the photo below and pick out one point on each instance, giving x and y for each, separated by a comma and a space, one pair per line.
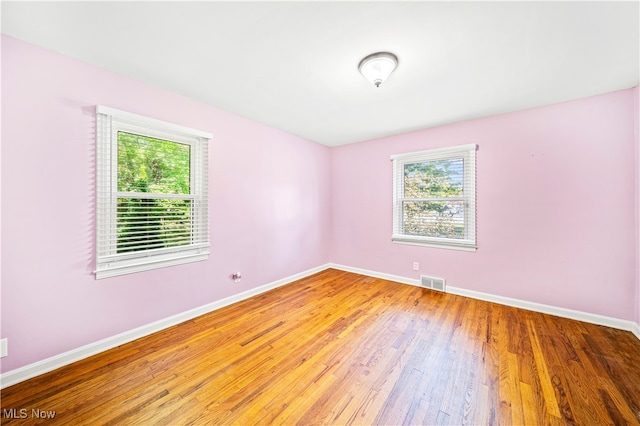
432, 282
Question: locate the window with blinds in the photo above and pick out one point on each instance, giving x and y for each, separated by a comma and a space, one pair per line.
434, 196
152, 193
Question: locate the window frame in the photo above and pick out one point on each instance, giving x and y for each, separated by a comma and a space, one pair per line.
465, 152
109, 263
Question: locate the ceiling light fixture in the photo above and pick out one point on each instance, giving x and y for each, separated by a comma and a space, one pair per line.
378, 66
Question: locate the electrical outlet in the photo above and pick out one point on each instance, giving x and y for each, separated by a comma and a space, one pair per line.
416, 266
4, 350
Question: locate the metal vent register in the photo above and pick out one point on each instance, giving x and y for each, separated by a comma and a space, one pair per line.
433, 283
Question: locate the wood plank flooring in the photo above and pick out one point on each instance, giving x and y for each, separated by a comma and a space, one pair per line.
338, 348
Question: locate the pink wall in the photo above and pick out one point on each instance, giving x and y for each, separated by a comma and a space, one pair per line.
269, 207
556, 206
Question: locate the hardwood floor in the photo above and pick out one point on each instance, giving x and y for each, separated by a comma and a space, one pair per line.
340, 348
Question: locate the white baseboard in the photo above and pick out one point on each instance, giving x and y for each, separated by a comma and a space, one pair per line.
32, 370
546, 309
636, 330
375, 274
517, 303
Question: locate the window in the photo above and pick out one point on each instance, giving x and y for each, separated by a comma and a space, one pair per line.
152, 194
434, 196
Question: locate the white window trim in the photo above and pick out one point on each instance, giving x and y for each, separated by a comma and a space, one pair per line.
468, 152
108, 263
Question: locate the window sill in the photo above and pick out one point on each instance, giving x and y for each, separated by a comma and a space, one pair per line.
148, 264
448, 245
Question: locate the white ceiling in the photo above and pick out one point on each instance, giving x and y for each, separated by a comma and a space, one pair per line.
293, 65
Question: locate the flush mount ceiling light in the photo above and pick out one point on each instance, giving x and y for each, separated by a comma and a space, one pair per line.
378, 66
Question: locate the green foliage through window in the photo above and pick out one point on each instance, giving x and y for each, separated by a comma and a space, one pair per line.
429, 212
153, 166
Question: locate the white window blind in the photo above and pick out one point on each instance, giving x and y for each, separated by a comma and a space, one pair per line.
152, 193
434, 196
